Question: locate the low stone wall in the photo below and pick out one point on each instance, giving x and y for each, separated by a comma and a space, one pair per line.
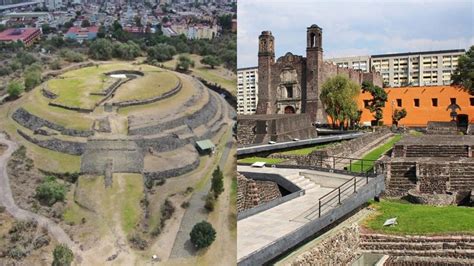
173, 172
71, 108
194, 120
338, 249
32, 122
47, 93
442, 128
165, 95
125, 72
54, 144
51, 74
431, 199
458, 246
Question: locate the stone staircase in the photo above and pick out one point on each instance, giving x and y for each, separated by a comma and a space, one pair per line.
461, 176
436, 151
402, 178
460, 247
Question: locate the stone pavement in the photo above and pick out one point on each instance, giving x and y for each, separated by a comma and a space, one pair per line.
261, 229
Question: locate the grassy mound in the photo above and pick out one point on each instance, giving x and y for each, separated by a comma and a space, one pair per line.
416, 219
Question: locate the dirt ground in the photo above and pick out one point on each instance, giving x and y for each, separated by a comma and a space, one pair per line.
42, 256
2, 149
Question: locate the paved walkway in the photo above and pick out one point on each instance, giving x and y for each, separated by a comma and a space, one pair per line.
6, 199
261, 229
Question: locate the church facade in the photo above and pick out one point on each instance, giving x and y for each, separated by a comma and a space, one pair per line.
292, 83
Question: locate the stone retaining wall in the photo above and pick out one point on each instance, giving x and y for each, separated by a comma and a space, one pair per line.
338, 249
165, 95
173, 172
194, 120
54, 144
251, 193
458, 246
72, 108
47, 93
32, 122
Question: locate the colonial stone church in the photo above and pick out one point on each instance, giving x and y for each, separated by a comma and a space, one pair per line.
292, 84
289, 90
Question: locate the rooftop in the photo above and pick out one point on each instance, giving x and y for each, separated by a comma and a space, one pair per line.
83, 30
421, 53
17, 34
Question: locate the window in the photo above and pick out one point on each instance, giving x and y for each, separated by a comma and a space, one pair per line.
434, 102
289, 91
471, 101
399, 102
453, 100
416, 102
366, 103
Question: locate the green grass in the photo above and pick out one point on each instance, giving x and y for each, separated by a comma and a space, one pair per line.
416, 219
375, 154
130, 201
305, 151
261, 159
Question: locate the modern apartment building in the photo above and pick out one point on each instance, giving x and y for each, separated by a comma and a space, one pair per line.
247, 90
427, 68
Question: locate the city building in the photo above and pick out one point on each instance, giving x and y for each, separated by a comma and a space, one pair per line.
26, 35
80, 34
423, 104
426, 68
247, 90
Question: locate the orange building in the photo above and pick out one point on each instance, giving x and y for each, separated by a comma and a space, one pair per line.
422, 104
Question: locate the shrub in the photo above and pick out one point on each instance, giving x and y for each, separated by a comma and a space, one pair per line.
184, 63
217, 182
138, 242
202, 235
16, 253
62, 255
50, 191
55, 65
71, 56
185, 205
210, 200
15, 89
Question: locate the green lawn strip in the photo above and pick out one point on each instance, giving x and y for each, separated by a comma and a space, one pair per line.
306, 150
261, 159
417, 219
373, 155
131, 197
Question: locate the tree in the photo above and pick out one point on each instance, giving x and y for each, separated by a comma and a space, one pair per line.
62, 255
217, 182
50, 191
398, 115
339, 96
101, 49
15, 89
464, 73
127, 51
202, 235
184, 63
210, 60
32, 76
161, 52
85, 23
379, 98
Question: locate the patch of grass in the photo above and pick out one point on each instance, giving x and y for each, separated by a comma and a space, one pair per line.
261, 159
416, 133
306, 150
359, 166
416, 219
151, 85
130, 201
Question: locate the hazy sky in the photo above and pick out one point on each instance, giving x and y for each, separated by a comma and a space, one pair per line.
353, 28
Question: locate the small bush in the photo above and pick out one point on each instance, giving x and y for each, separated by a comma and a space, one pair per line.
17, 253
138, 242
161, 181
149, 183
63, 256
210, 200
185, 205
50, 191
217, 182
202, 235
15, 89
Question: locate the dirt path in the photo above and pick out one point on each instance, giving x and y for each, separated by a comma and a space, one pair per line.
6, 199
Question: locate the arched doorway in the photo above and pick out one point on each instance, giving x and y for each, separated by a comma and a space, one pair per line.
289, 110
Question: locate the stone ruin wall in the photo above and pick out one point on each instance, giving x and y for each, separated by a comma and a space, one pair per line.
330, 70
338, 249
32, 122
251, 193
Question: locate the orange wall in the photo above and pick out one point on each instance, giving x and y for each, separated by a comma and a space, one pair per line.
419, 116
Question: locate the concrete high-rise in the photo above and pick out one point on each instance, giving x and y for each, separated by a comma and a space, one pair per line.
247, 90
